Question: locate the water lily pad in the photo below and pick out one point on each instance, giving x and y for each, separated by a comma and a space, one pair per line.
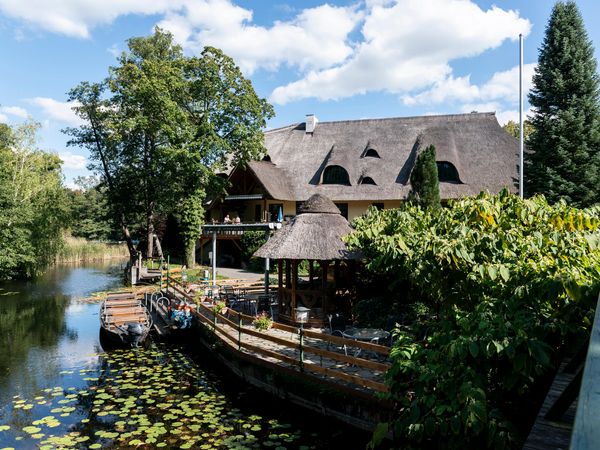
31, 429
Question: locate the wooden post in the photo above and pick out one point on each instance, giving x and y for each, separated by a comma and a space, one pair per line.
288, 277
325, 266
336, 273
294, 277
214, 258
310, 273
267, 270
281, 287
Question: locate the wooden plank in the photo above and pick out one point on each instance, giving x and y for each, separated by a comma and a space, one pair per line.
381, 367
586, 432
347, 377
381, 349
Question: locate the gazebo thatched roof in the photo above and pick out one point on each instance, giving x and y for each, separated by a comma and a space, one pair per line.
316, 233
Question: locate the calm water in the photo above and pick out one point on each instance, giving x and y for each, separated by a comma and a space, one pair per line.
59, 389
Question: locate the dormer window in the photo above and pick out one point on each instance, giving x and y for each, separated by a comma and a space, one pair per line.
266, 158
371, 152
447, 173
367, 180
336, 175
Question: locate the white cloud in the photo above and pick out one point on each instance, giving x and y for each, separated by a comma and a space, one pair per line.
60, 111
77, 17
315, 38
72, 160
404, 47
501, 86
16, 111
3, 118
407, 46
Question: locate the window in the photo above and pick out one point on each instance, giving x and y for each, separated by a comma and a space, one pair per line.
298, 206
371, 152
266, 158
336, 175
377, 205
447, 172
367, 180
274, 209
343, 207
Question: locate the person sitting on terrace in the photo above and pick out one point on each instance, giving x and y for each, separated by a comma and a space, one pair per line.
237, 220
227, 219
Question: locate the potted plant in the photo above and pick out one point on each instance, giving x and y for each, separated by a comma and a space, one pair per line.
262, 322
219, 308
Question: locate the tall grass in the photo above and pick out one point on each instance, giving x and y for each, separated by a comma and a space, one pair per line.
79, 249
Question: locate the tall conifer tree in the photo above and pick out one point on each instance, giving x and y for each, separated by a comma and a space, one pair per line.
565, 142
424, 180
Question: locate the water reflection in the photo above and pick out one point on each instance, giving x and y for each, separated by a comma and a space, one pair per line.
44, 328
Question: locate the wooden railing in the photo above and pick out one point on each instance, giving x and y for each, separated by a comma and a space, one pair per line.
225, 324
586, 432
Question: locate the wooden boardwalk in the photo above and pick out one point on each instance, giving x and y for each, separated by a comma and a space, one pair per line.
355, 364
553, 434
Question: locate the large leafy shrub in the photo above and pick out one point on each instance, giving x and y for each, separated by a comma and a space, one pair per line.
513, 282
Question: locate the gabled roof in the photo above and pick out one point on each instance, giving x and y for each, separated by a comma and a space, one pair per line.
483, 153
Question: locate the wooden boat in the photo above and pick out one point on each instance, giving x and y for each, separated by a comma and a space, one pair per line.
124, 320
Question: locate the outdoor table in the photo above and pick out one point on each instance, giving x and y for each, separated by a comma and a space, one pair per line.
373, 335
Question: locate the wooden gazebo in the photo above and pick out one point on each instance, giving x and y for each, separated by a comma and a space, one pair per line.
314, 235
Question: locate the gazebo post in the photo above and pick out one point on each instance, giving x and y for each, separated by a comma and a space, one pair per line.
288, 276
324, 266
294, 278
280, 286
336, 273
310, 273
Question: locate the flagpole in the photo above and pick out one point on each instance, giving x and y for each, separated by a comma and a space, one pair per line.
521, 130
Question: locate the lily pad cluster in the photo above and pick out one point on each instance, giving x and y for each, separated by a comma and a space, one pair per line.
143, 398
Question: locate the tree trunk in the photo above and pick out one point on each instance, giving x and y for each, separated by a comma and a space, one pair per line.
150, 228
190, 253
159, 251
127, 235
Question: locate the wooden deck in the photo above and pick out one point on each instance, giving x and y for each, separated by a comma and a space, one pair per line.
355, 364
553, 434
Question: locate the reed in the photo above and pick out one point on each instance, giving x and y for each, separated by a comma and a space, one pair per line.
79, 249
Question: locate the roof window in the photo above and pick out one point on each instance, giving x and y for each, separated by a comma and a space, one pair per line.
367, 180
371, 152
336, 175
447, 173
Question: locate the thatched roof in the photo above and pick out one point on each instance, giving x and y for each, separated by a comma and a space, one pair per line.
315, 233
484, 155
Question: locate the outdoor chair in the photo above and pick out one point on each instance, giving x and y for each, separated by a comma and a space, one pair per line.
337, 326
264, 304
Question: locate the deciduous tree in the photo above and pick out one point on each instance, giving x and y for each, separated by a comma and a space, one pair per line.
162, 125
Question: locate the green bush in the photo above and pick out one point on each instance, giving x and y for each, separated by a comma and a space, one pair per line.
513, 283
250, 242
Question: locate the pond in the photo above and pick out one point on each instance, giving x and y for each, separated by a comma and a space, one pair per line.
59, 389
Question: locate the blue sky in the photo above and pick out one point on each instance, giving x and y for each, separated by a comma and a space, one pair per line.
339, 60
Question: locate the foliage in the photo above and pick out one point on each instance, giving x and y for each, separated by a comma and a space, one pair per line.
219, 307
80, 249
565, 142
162, 125
513, 128
190, 220
33, 206
90, 213
262, 322
250, 242
511, 284
424, 180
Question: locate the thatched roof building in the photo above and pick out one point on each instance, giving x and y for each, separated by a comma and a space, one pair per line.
379, 154
314, 234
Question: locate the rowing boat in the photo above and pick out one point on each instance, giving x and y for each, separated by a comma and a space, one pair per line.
124, 320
